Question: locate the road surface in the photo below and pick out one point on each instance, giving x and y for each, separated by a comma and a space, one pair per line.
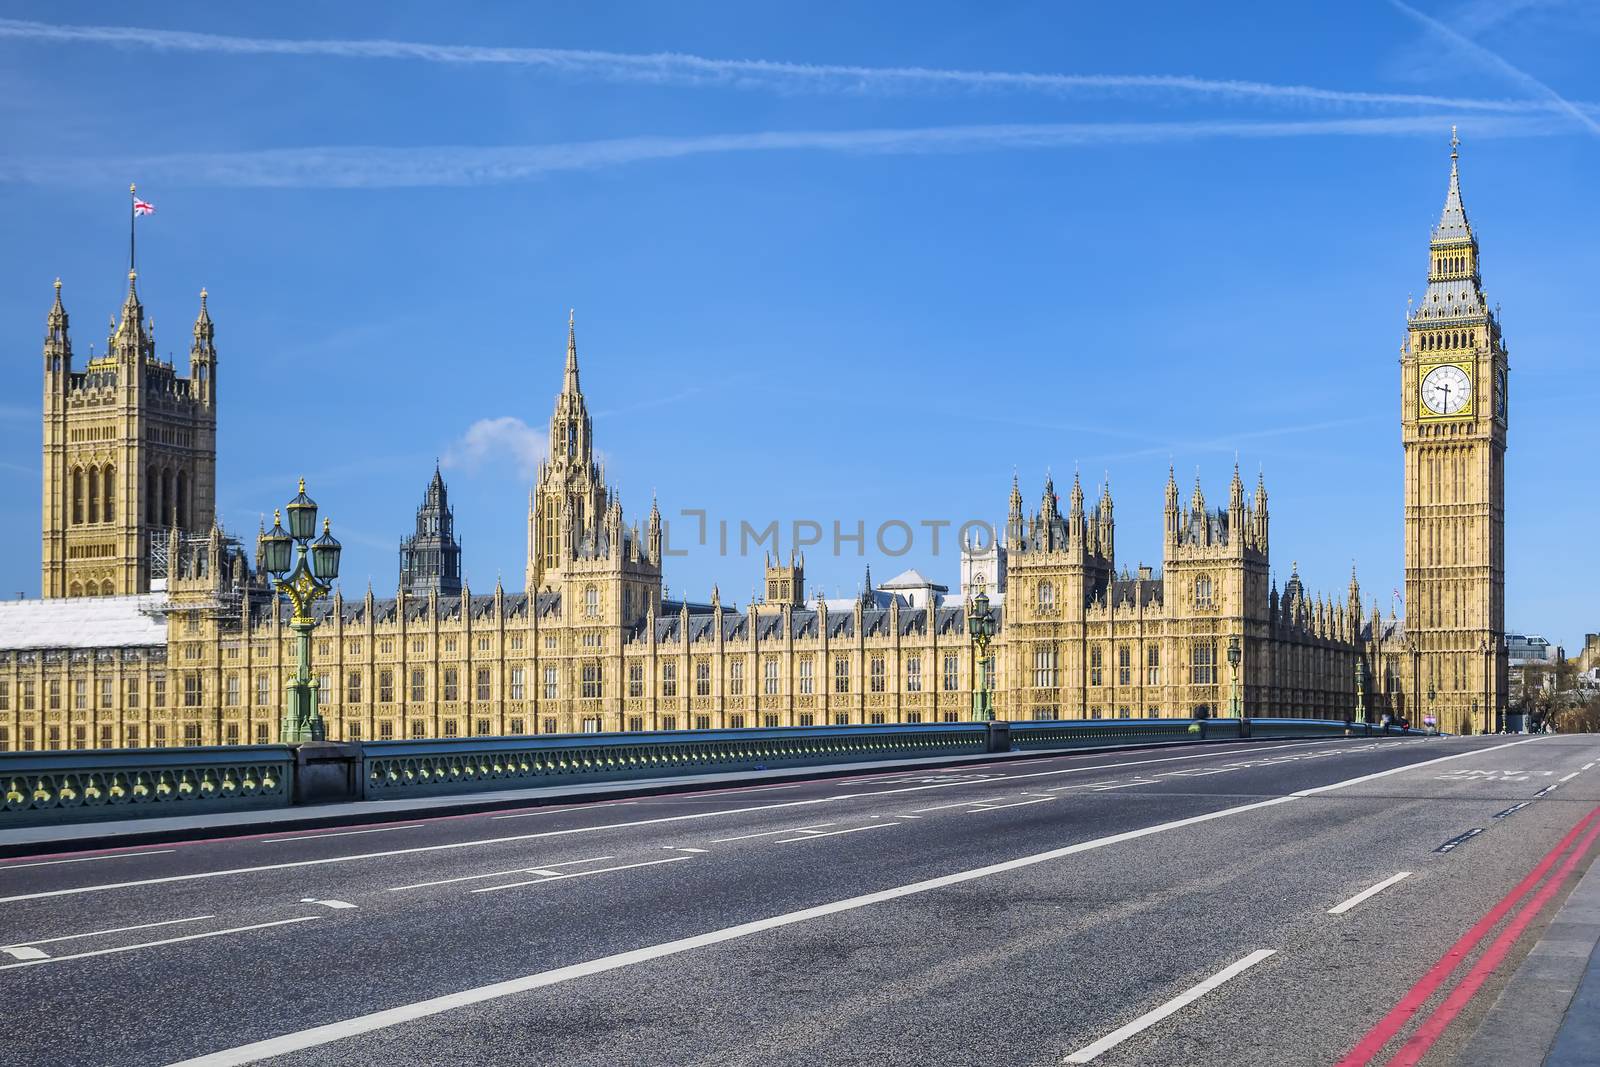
1251, 903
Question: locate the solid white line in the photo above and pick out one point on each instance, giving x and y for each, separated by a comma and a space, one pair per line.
417, 849
1002, 807
567, 807
676, 848
158, 944
341, 833
578, 874
1571, 776
84, 859
113, 930
1187, 997
366, 1024
496, 874
813, 835
772, 833
1340, 909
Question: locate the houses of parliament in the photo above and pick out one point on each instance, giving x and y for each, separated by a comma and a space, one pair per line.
155, 627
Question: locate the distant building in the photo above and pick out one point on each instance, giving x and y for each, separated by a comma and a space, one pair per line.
1525, 649
430, 559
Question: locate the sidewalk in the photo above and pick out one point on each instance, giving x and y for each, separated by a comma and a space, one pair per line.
1548, 1015
79, 837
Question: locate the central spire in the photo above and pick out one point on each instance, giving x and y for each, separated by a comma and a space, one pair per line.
570, 385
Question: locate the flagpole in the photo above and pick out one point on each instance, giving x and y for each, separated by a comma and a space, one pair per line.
131, 191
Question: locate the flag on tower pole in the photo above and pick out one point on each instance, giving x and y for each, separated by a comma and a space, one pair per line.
139, 207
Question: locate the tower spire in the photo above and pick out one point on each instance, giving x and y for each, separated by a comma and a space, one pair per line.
570, 385
1453, 224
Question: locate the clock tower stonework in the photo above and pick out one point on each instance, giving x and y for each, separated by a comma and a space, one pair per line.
1453, 374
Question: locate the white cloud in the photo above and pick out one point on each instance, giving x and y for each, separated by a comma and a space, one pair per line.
677, 68
354, 167
506, 439
1493, 63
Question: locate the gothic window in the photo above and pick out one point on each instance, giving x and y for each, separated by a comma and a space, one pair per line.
805, 676
1203, 663
551, 682
769, 676
572, 440
841, 674
736, 678
183, 500
591, 601
636, 679
952, 673
108, 480
353, 688
914, 674
1045, 670
1152, 664
232, 699
483, 683
94, 494
419, 687
1202, 592
77, 496
386, 687
877, 669
669, 679
702, 678
1096, 666
516, 687
593, 680
451, 689
1047, 597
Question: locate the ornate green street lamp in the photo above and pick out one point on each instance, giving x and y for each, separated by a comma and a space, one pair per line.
1235, 654
1361, 692
980, 624
1433, 712
310, 580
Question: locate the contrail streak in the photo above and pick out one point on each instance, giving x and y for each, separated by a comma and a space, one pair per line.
1552, 99
677, 68
355, 167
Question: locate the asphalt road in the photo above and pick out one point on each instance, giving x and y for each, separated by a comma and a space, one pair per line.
1015, 914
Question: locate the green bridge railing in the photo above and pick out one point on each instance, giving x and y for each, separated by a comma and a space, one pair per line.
39, 788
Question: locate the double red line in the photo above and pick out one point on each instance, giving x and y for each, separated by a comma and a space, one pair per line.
1373, 1043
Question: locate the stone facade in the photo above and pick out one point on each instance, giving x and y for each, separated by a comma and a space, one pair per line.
592, 644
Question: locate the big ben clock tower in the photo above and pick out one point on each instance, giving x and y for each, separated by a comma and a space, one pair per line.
1453, 373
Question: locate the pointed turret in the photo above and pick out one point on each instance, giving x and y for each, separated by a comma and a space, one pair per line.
129, 339
653, 533
1108, 526
1014, 512
57, 347
1174, 519
203, 356
1197, 501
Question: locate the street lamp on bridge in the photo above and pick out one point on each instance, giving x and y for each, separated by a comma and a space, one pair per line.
310, 579
1235, 654
980, 624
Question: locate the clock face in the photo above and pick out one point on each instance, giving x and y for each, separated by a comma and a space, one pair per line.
1500, 395
1446, 390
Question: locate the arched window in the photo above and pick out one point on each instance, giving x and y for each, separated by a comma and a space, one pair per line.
183, 500
108, 511
591, 601
77, 495
94, 494
152, 506
1202, 591
75, 590
164, 516
1047, 597
105, 588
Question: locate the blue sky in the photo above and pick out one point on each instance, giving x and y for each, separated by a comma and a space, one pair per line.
835, 262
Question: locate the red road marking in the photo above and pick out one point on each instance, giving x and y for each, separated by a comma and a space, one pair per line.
1380, 1035
1430, 1030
